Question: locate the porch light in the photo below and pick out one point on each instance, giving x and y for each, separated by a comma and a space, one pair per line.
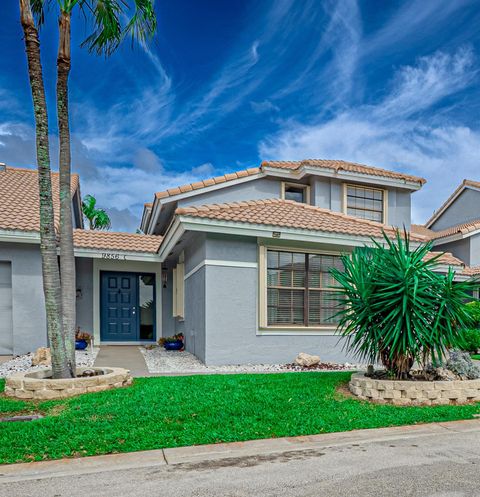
164, 276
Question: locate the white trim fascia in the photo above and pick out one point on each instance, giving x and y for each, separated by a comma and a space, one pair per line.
370, 179
266, 231
171, 238
342, 175
221, 263
119, 255
454, 238
17, 236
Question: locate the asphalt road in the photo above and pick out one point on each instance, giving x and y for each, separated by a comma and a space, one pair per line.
435, 460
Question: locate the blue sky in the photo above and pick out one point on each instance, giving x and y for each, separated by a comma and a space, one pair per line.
225, 85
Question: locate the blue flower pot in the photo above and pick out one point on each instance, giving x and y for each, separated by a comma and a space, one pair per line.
177, 345
81, 344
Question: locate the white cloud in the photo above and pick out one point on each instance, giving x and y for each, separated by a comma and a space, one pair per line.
385, 135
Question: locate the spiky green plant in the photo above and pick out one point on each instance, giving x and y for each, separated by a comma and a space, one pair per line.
396, 309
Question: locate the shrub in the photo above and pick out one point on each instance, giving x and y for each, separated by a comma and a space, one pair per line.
474, 311
470, 340
397, 310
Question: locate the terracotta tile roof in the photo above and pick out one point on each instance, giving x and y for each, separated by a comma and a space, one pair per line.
112, 240
208, 182
289, 214
337, 165
340, 165
470, 182
459, 229
420, 229
471, 271
19, 200
446, 258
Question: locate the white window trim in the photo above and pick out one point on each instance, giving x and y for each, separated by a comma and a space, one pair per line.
296, 185
385, 198
264, 328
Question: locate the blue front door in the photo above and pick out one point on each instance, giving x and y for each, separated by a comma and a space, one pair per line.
119, 313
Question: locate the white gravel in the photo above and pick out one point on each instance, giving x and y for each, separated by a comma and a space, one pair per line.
160, 360
23, 363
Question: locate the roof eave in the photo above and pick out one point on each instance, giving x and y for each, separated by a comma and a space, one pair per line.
343, 175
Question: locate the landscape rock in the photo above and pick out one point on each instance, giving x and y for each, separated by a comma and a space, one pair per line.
307, 360
42, 357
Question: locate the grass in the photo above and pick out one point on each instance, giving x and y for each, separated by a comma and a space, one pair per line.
476, 357
174, 411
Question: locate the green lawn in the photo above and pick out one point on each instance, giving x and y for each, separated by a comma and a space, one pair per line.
175, 411
476, 357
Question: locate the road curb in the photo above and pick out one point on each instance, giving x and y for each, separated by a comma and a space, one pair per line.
197, 454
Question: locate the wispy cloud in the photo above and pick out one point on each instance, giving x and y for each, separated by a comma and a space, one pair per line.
385, 133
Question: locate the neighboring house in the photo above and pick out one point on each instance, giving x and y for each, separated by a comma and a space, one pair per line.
239, 263
455, 226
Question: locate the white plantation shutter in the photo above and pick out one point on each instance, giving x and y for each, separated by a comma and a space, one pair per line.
299, 289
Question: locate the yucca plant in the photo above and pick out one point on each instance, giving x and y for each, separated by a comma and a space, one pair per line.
395, 309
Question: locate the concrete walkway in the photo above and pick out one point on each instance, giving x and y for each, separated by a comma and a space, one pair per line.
122, 356
432, 460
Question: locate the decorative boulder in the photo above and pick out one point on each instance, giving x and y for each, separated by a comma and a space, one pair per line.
42, 357
307, 360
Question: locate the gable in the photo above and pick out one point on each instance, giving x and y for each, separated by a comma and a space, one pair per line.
464, 208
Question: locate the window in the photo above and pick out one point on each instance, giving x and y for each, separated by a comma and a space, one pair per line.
297, 192
366, 203
299, 289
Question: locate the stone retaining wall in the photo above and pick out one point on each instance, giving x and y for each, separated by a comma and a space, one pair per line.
38, 385
414, 392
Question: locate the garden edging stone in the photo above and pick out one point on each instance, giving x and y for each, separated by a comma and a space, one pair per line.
414, 392
37, 386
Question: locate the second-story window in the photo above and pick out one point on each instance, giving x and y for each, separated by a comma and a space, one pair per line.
366, 203
297, 192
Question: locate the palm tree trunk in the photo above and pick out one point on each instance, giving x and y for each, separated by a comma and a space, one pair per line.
67, 258
48, 245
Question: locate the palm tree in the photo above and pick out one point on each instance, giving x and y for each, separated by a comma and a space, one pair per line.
98, 219
48, 243
108, 32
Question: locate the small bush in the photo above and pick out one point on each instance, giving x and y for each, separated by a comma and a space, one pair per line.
470, 340
473, 309
462, 364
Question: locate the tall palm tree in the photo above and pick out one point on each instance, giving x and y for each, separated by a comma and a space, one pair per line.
111, 24
48, 243
97, 218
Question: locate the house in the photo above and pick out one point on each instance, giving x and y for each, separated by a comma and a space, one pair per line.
239, 263
455, 226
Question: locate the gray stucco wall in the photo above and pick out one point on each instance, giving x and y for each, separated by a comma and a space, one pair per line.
399, 208
195, 326
251, 190
84, 282
28, 311
465, 208
221, 308
460, 249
